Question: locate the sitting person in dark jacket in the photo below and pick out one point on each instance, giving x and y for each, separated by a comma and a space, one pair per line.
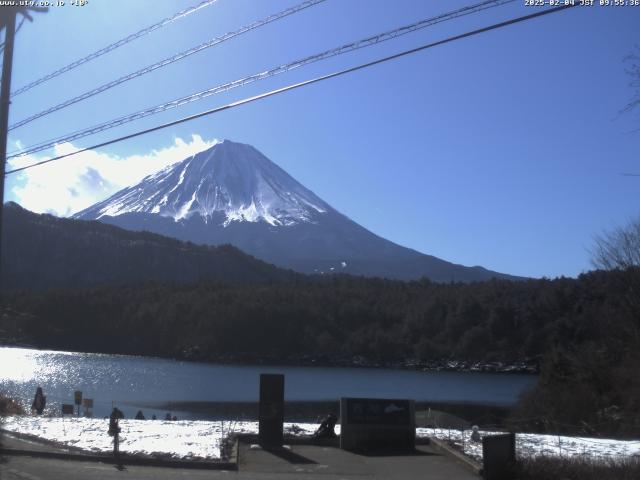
325, 430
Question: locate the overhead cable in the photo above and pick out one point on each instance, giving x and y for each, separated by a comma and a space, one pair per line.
169, 61
113, 46
298, 85
362, 43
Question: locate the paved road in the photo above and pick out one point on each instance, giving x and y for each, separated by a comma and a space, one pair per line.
32, 468
298, 461
314, 462
307, 462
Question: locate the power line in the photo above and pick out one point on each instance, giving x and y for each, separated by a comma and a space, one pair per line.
301, 84
362, 43
113, 46
169, 61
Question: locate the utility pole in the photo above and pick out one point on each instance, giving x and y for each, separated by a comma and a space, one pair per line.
5, 99
8, 22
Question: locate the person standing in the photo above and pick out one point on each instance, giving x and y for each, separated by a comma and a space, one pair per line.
39, 402
114, 429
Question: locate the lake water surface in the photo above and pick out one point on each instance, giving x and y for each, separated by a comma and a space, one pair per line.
127, 381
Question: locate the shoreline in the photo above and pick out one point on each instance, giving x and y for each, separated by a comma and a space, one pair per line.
526, 366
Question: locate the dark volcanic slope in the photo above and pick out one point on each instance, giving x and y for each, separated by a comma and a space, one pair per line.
43, 251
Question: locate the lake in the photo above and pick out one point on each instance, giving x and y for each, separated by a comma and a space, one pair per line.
131, 381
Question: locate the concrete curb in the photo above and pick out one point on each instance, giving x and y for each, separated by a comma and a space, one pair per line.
471, 464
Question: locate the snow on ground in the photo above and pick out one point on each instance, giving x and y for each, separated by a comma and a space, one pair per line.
533, 444
201, 439
178, 439
183, 439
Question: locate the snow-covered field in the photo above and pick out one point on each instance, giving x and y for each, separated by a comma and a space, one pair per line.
201, 439
186, 439
532, 444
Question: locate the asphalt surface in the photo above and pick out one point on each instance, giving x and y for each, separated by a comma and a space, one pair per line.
298, 461
34, 468
315, 462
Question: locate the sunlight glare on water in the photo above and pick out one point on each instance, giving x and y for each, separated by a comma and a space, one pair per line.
19, 365
131, 382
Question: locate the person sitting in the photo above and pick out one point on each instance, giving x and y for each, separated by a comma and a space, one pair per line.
325, 430
140, 415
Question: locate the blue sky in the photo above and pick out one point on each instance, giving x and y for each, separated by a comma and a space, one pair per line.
502, 150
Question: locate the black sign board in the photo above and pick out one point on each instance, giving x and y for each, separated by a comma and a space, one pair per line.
67, 409
377, 423
271, 410
498, 456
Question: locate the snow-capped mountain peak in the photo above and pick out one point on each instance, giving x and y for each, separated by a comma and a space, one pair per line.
230, 178
233, 194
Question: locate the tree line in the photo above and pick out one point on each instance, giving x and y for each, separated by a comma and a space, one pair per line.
584, 332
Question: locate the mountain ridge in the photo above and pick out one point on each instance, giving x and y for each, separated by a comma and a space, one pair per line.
41, 251
232, 193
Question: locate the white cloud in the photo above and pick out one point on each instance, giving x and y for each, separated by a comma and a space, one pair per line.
67, 186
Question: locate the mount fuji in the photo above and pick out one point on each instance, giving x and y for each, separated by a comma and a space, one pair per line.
233, 194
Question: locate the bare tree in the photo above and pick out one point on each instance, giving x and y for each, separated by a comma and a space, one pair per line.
619, 248
633, 70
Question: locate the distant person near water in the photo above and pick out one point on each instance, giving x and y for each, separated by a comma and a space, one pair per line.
39, 402
114, 429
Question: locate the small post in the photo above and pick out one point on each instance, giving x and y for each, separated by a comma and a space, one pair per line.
116, 443
77, 396
87, 403
464, 442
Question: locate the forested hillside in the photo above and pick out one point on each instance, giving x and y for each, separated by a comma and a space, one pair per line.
43, 251
585, 331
